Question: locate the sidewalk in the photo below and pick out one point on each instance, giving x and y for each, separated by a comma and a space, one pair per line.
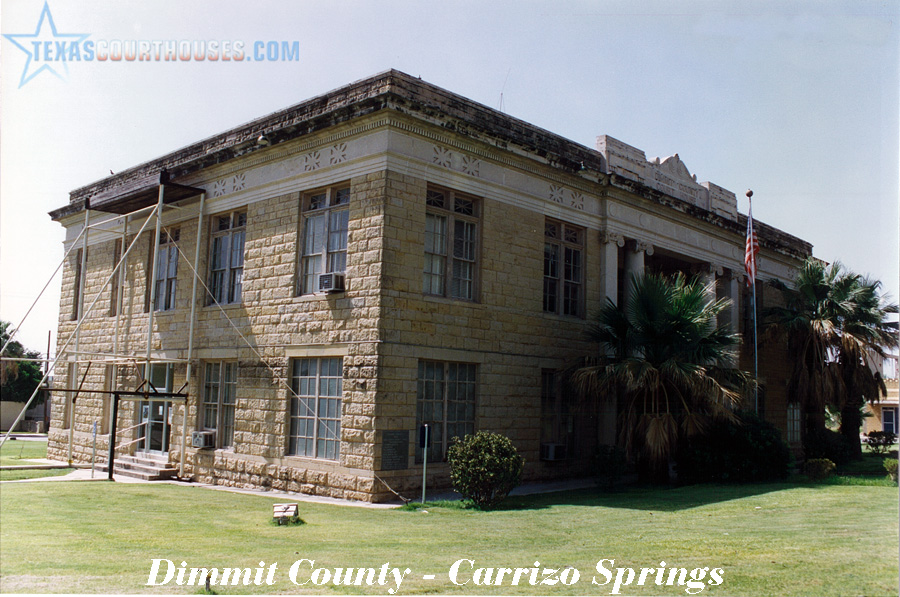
84, 474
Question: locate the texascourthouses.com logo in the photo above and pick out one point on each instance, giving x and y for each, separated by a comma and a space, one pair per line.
48, 50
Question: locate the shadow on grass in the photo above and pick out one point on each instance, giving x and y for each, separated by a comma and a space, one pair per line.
647, 498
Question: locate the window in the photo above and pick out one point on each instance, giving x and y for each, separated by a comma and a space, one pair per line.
451, 244
563, 268
226, 262
219, 397
889, 419
324, 250
114, 283
445, 400
76, 293
557, 418
167, 270
316, 390
793, 422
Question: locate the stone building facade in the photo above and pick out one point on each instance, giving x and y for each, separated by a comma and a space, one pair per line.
385, 255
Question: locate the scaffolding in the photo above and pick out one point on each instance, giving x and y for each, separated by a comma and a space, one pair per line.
129, 205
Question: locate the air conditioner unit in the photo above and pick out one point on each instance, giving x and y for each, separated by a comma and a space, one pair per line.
332, 282
553, 452
203, 439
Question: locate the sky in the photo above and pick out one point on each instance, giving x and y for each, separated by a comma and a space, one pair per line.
797, 101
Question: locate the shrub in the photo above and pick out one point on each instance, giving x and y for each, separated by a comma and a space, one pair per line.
881, 442
484, 467
890, 465
611, 465
749, 451
827, 444
818, 468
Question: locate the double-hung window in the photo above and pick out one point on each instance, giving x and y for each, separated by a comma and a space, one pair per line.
226, 260
563, 268
326, 214
451, 244
793, 422
316, 390
557, 418
166, 270
76, 290
219, 398
445, 400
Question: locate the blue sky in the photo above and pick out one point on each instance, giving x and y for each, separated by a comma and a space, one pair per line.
796, 100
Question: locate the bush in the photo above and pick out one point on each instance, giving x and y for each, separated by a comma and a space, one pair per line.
749, 451
890, 465
611, 465
818, 468
881, 442
484, 467
827, 444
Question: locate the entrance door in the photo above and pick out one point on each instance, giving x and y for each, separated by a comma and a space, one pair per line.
154, 414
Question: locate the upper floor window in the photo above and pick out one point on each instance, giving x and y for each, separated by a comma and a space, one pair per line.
563, 268
326, 214
166, 270
76, 294
114, 282
451, 244
226, 260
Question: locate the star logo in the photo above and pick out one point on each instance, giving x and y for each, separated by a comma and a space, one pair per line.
47, 49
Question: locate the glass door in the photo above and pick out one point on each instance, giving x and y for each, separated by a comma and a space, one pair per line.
154, 414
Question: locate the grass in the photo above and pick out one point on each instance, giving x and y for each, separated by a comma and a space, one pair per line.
22, 452
18, 451
778, 539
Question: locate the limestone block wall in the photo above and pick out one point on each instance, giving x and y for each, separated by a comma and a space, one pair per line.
504, 332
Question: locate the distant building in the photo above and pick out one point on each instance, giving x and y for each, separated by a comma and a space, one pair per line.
382, 256
884, 413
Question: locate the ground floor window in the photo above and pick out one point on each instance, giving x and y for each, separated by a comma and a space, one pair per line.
219, 397
889, 419
316, 390
557, 418
445, 400
793, 422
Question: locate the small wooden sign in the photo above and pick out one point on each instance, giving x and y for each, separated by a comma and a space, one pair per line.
280, 511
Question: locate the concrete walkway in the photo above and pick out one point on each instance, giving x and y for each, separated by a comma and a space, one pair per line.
84, 474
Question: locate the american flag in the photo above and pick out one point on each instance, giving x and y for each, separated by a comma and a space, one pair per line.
751, 250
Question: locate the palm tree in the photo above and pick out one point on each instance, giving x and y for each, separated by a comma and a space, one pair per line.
834, 324
865, 334
668, 361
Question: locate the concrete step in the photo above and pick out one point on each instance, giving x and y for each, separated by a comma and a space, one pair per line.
143, 466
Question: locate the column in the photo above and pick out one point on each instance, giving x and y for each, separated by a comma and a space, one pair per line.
610, 242
733, 281
634, 263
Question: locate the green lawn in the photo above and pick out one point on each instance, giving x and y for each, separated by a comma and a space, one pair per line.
20, 452
780, 539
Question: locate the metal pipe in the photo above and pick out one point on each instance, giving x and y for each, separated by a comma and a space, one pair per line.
153, 271
41, 293
190, 354
120, 301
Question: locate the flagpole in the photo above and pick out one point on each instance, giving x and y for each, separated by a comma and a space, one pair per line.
752, 249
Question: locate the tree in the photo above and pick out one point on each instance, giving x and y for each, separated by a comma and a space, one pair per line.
669, 363
835, 325
865, 334
18, 379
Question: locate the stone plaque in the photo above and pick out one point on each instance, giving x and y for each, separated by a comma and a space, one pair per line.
394, 450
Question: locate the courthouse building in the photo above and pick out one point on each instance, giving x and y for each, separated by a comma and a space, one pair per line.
324, 280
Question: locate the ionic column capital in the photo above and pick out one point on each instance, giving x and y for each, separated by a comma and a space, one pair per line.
607, 236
